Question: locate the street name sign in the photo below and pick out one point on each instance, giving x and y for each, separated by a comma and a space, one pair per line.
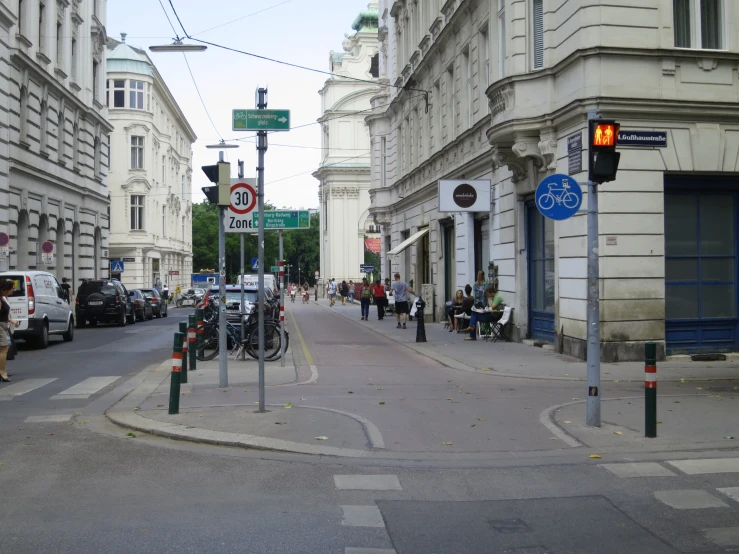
642, 138
558, 197
243, 203
574, 153
367, 268
261, 120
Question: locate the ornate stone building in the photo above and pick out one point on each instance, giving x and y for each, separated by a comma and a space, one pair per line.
150, 173
510, 84
54, 136
344, 173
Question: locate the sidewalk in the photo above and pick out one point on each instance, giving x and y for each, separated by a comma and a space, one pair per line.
522, 360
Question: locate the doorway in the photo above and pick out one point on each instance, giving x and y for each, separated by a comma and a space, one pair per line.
540, 246
449, 263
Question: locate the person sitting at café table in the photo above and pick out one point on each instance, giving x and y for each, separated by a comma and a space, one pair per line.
454, 308
492, 311
468, 302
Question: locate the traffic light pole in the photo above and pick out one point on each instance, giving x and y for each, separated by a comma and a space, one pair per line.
241, 277
261, 149
593, 351
222, 346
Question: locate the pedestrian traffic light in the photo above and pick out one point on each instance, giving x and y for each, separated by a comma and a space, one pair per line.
603, 158
221, 175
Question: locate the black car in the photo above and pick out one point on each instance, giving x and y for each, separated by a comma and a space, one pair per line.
155, 300
141, 306
103, 301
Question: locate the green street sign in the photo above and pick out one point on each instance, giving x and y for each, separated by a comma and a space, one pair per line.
283, 219
261, 120
274, 269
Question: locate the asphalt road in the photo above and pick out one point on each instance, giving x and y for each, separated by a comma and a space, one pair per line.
87, 486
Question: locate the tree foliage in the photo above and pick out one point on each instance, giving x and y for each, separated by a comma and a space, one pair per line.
301, 247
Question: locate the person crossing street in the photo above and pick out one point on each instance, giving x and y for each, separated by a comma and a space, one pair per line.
400, 292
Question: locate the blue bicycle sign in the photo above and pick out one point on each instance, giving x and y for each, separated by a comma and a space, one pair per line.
558, 197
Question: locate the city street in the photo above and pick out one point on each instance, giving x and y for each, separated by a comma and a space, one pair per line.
87, 485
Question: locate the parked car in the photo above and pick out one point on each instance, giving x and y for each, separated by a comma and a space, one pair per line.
41, 307
233, 299
104, 301
158, 304
141, 307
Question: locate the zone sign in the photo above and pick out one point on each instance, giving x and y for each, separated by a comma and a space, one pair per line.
243, 201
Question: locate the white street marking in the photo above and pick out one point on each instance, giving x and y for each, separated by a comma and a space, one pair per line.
362, 516
86, 388
368, 482
723, 536
352, 550
731, 492
689, 499
644, 469
60, 418
8, 392
715, 465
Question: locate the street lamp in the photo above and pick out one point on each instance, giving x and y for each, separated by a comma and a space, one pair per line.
177, 46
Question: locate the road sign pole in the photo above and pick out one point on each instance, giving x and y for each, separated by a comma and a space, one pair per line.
222, 346
261, 149
593, 350
241, 309
283, 284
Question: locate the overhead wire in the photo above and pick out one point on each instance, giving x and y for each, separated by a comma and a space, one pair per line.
243, 17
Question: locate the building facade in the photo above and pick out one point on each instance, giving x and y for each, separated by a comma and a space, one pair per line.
150, 173
54, 136
510, 84
344, 173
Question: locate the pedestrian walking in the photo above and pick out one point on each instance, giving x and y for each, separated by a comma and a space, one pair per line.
365, 295
352, 284
378, 291
7, 325
344, 291
66, 290
165, 294
331, 292
400, 292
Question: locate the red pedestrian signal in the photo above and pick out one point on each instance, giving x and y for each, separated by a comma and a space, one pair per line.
603, 158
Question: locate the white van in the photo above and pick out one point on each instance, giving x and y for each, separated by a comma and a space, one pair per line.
39, 304
253, 281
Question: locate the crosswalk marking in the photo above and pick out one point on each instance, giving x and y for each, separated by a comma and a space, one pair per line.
353, 550
731, 492
8, 392
367, 482
86, 388
689, 499
643, 469
362, 516
57, 418
710, 465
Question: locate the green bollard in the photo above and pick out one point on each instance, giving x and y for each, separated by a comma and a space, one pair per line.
650, 390
183, 331
200, 330
191, 341
174, 384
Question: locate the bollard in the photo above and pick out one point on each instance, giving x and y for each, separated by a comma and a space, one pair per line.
650, 390
200, 329
192, 340
183, 331
421, 327
174, 384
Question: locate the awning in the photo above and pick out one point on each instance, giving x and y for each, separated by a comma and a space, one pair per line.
407, 242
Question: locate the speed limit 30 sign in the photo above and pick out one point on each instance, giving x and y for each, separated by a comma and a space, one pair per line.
243, 201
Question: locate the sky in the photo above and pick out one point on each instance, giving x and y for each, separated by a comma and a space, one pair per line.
296, 31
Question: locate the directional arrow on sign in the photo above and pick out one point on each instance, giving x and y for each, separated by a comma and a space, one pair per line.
282, 120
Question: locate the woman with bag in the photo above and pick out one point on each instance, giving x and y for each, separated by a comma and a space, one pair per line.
6, 323
365, 295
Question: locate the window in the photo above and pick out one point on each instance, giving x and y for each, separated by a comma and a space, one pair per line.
383, 161
137, 212
401, 139
501, 39
485, 58
137, 152
375, 66
74, 60
451, 104
41, 22
164, 221
94, 80
164, 170
58, 44
699, 24
136, 95
436, 114
538, 32
468, 84
97, 153
183, 187
183, 229
119, 93
20, 17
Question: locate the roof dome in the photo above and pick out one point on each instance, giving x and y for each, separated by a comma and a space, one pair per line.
124, 59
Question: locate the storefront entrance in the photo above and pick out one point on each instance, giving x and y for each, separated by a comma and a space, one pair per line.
700, 264
540, 248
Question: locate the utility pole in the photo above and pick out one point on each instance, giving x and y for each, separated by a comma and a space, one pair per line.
241, 276
261, 149
283, 299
